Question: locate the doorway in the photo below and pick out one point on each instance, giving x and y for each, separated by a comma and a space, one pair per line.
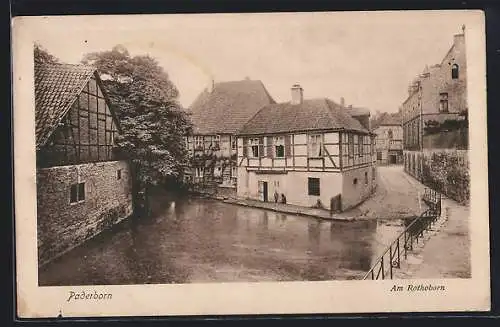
392, 159
263, 192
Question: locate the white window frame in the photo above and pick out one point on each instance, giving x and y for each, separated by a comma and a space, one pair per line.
312, 152
198, 172
278, 141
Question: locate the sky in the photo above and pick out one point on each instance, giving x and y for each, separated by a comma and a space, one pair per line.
368, 58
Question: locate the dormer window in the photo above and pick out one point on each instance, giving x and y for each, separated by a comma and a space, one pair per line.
454, 71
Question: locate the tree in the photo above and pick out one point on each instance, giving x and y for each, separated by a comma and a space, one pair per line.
153, 122
42, 56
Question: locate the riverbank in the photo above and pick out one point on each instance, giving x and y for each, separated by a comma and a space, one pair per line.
445, 251
396, 197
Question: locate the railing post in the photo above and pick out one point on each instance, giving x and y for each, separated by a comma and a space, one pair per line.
382, 265
399, 259
390, 261
406, 245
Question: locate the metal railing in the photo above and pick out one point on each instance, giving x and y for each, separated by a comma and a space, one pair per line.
393, 255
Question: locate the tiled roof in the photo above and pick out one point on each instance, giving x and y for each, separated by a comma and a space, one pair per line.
355, 111
388, 119
313, 114
228, 106
56, 88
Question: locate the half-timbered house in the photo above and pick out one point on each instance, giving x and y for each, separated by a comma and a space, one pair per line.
312, 151
217, 114
82, 186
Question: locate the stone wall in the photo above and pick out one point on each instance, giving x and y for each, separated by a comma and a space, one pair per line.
62, 225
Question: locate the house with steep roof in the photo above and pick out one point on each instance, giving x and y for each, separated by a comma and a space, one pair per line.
389, 139
217, 114
310, 150
82, 186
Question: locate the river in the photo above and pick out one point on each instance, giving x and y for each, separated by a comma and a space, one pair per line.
192, 240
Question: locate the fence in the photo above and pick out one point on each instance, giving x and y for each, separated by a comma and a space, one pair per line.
398, 250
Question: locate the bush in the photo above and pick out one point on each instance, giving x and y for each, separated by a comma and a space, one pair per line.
448, 173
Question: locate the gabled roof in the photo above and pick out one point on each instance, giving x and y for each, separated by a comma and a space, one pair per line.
356, 112
312, 114
56, 88
228, 106
388, 119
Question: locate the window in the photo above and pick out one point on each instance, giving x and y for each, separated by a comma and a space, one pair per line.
77, 193
360, 145
119, 174
216, 140
355, 181
443, 102
366, 178
350, 145
379, 155
454, 71
315, 146
233, 143
198, 172
254, 144
313, 186
234, 172
279, 147
389, 134
198, 141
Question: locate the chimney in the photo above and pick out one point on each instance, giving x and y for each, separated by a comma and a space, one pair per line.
342, 102
297, 94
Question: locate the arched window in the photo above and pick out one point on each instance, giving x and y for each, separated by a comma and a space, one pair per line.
454, 71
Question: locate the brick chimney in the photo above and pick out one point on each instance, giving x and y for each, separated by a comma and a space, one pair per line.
297, 94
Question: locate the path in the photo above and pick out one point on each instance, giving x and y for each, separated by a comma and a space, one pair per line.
445, 251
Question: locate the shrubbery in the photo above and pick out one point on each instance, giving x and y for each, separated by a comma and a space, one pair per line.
448, 173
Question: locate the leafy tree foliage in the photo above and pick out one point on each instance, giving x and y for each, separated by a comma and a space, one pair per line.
42, 56
153, 122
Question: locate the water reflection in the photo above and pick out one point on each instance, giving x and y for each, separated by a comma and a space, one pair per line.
199, 240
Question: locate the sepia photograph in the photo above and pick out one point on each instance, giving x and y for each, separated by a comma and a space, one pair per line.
239, 155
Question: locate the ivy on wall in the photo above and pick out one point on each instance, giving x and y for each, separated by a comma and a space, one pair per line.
448, 173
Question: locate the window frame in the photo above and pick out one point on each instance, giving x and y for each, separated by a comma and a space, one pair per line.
198, 142
119, 174
444, 102
79, 188
455, 71
311, 188
279, 142
254, 145
310, 138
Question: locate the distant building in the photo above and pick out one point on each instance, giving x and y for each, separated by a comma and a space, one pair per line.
389, 139
82, 187
310, 150
437, 101
217, 114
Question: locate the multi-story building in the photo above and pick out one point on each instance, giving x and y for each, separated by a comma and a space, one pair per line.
312, 151
436, 97
217, 114
389, 139
82, 186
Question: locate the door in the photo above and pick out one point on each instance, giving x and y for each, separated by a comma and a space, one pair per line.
264, 191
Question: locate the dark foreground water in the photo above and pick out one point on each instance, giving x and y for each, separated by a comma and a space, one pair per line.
200, 240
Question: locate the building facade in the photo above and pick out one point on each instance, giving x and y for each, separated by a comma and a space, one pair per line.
437, 99
389, 140
217, 115
82, 186
311, 151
